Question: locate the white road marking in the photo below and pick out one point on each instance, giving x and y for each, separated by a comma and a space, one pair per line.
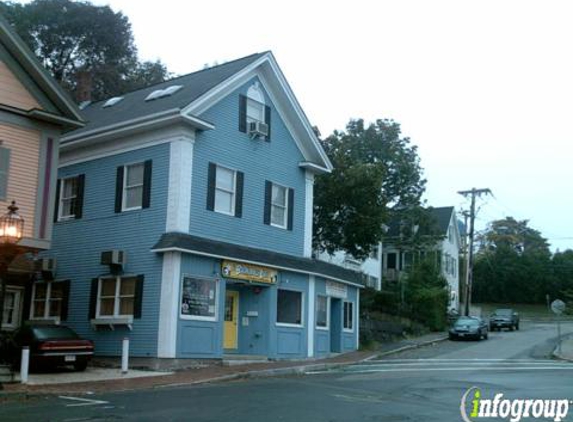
84, 402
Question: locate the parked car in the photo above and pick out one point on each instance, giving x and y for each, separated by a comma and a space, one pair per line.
54, 345
504, 318
469, 327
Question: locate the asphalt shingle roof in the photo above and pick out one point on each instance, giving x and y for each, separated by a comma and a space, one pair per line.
245, 253
441, 215
134, 105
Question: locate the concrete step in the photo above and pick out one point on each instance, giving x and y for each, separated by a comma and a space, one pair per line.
6, 374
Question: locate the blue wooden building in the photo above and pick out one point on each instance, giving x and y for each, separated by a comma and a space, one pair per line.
184, 222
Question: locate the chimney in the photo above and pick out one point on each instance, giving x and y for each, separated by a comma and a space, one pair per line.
83, 91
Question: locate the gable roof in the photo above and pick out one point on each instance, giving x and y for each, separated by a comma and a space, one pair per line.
69, 114
133, 104
440, 215
199, 91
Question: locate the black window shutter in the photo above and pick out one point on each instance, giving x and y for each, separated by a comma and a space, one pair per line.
290, 208
212, 174
57, 207
268, 195
119, 189
242, 113
93, 298
65, 299
80, 196
146, 201
268, 122
138, 300
239, 194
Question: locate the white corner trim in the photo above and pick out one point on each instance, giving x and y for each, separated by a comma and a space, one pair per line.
311, 315
308, 217
179, 190
169, 305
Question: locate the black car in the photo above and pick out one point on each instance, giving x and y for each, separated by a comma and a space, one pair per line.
468, 327
504, 318
54, 345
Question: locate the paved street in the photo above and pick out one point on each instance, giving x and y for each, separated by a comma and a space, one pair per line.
423, 384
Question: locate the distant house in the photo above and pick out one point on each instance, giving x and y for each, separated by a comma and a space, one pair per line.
370, 267
185, 222
444, 248
34, 111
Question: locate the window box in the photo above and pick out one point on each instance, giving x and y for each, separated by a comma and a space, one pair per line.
112, 322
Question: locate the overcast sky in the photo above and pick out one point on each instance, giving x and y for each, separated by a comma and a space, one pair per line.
484, 88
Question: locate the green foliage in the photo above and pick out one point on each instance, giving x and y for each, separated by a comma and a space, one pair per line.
514, 265
426, 295
375, 171
75, 36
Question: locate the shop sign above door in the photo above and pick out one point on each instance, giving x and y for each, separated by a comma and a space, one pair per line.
248, 272
336, 289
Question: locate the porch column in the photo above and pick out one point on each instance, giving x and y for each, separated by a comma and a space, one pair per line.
311, 315
169, 305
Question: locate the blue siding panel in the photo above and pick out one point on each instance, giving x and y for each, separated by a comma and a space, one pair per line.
77, 245
276, 161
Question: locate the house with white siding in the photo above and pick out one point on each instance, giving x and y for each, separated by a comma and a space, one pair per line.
444, 247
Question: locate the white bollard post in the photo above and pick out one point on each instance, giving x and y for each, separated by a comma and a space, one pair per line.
125, 355
24, 365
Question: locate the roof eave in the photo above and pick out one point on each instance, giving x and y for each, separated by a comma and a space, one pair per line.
26, 58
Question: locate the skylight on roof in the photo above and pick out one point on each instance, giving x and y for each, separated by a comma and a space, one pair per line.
160, 93
112, 101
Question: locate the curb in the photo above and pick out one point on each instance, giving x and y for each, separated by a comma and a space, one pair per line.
253, 374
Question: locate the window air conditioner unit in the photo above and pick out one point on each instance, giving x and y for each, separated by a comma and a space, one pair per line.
258, 129
114, 257
47, 266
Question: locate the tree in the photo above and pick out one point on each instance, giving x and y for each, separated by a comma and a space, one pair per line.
514, 234
513, 264
376, 174
71, 37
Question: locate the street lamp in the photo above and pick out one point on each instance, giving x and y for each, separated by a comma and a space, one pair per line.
11, 226
11, 232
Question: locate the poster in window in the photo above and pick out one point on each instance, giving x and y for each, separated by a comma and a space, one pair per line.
198, 297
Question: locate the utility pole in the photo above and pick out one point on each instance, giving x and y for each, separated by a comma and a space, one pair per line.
473, 193
463, 290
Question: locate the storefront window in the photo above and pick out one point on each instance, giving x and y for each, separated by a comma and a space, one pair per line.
348, 316
199, 298
289, 307
321, 312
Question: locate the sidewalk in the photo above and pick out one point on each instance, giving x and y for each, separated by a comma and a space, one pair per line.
212, 373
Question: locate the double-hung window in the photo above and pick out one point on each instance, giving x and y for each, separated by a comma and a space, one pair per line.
279, 206
70, 197
133, 186
50, 300
116, 297
225, 185
255, 111
225, 190
4, 168
348, 316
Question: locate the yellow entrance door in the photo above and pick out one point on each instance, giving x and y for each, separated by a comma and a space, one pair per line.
231, 319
